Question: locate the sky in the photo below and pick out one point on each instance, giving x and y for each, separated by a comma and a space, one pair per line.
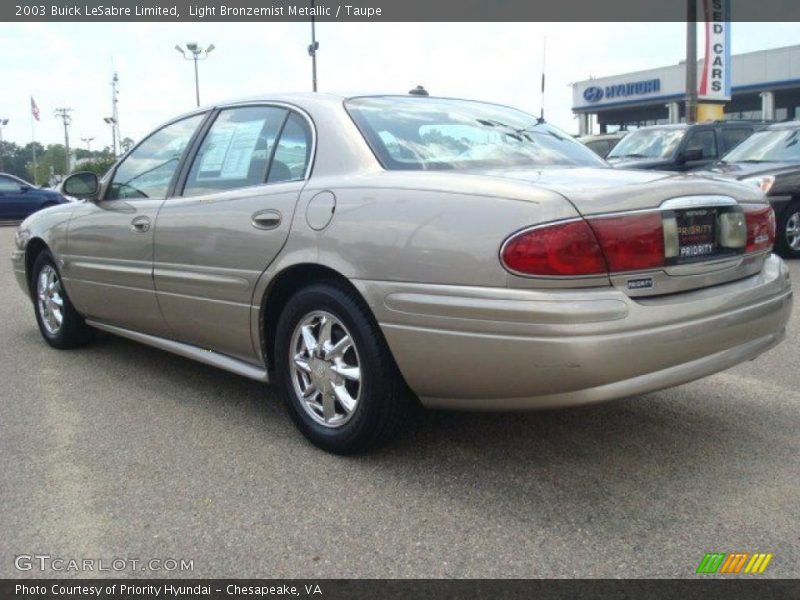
71, 65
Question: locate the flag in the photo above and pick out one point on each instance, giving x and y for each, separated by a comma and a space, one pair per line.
34, 109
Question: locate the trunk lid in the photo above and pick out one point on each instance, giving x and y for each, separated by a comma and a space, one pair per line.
697, 214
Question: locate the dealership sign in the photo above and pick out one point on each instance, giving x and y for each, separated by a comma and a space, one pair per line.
621, 90
715, 79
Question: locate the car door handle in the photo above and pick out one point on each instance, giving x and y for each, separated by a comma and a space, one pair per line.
140, 224
266, 219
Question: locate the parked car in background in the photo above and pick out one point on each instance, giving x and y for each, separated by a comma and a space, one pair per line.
351, 249
603, 143
679, 147
18, 198
771, 159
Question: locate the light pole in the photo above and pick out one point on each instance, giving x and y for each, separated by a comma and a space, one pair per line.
197, 53
113, 123
3, 123
312, 50
88, 142
691, 61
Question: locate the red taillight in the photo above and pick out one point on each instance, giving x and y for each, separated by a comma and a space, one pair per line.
760, 228
567, 248
631, 242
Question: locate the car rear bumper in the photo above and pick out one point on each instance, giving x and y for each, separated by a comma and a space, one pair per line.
497, 349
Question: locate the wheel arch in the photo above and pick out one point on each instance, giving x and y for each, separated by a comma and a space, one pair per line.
280, 289
32, 251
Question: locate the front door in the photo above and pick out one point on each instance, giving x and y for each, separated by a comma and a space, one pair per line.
108, 266
214, 241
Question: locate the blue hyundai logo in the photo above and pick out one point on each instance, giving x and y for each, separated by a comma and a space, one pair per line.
593, 94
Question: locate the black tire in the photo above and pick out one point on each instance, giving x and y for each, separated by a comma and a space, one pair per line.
782, 247
384, 398
73, 331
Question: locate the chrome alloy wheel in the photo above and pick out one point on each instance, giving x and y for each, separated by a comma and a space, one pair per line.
50, 299
325, 367
793, 231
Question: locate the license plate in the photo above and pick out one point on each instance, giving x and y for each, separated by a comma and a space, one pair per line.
697, 234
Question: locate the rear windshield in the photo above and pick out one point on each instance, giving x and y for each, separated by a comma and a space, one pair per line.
416, 133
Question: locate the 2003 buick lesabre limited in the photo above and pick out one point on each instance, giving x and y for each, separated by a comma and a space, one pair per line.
352, 248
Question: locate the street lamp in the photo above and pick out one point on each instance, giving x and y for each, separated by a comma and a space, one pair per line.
88, 142
195, 53
112, 122
3, 123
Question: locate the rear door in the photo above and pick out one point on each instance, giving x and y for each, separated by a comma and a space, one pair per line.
214, 240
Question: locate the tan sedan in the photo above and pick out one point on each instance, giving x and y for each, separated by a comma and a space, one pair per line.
358, 250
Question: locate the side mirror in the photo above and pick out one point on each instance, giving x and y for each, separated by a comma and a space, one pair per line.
691, 154
24, 188
82, 185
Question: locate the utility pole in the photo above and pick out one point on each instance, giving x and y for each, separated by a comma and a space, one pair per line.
112, 122
88, 142
197, 53
691, 61
312, 50
115, 112
63, 114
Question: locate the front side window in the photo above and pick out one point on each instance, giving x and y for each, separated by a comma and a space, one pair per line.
705, 142
772, 145
732, 137
648, 143
414, 133
147, 171
236, 151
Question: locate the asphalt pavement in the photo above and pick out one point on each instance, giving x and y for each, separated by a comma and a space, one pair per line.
124, 451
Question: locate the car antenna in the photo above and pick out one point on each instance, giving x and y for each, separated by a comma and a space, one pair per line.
544, 59
419, 91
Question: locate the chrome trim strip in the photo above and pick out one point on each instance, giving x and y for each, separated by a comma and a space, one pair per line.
202, 355
697, 201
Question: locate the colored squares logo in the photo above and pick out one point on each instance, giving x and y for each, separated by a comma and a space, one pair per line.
734, 563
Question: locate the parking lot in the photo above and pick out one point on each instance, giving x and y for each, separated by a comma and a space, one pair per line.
121, 450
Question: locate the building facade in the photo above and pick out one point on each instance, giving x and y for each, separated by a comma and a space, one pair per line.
765, 86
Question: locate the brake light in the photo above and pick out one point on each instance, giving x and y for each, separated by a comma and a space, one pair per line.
631, 242
760, 228
562, 249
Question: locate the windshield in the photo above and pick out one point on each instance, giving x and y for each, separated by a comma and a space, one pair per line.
431, 133
778, 145
648, 143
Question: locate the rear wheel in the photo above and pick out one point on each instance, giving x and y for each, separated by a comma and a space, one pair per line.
788, 234
335, 372
60, 325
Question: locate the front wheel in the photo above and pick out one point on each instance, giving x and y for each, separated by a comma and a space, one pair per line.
60, 324
788, 234
335, 372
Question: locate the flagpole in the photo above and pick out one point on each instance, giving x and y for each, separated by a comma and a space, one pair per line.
33, 147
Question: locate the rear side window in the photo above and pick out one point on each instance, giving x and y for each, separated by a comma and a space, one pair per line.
731, 137
293, 152
236, 151
705, 141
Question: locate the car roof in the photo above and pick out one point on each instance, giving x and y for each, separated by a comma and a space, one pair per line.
785, 125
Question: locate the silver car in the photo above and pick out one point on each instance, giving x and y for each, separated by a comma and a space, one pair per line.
360, 251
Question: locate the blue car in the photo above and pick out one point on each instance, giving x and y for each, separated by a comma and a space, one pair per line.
18, 198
